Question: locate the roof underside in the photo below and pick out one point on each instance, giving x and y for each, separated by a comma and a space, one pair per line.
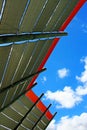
34, 16
21, 61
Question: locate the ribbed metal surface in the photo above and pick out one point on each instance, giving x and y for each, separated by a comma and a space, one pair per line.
30, 16
21, 59
13, 116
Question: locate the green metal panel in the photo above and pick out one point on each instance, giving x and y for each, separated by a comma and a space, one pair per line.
25, 85
9, 95
36, 128
41, 55
25, 60
46, 14
3, 128
65, 15
27, 57
2, 97
37, 112
17, 92
56, 15
41, 125
12, 114
32, 13
21, 128
1, 5
11, 16
28, 124
45, 120
28, 103
6, 121
12, 94
4, 53
32, 117
36, 52
13, 63
37, 56
19, 107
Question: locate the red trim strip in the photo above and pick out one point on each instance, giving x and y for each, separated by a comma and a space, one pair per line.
73, 13
32, 96
55, 41
44, 60
68, 20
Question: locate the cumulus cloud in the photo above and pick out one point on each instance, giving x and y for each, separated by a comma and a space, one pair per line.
68, 98
83, 77
70, 123
63, 72
82, 90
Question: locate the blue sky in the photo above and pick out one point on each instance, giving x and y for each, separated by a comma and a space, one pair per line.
65, 81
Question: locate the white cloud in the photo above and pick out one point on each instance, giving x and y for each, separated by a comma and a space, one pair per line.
84, 28
52, 125
82, 90
63, 72
67, 98
81, 24
83, 77
43, 79
67, 123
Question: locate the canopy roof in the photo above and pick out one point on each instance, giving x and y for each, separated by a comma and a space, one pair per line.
34, 16
28, 112
22, 60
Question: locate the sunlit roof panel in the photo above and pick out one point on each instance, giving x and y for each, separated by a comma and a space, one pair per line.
56, 14
1, 1
23, 60
13, 61
65, 14
31, 16
4, 54
19, 114
45, 15
12, 14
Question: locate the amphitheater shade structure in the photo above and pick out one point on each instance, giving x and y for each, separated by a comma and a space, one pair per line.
29, 31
